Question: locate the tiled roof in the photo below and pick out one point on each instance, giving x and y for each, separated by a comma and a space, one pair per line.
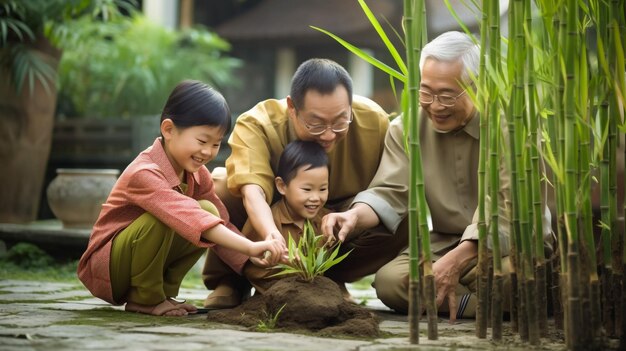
286, 22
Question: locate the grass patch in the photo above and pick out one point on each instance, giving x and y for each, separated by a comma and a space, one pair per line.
26, 261
193, 278
55, 273
364, 283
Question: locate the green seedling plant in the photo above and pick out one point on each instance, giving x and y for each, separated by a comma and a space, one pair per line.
270, 321
308, 258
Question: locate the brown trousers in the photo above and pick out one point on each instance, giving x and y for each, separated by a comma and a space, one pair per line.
370, 250
391, 284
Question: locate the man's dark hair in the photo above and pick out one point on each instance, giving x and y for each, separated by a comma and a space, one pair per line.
321, 75
297, 154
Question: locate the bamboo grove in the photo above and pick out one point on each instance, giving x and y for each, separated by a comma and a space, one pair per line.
551, 96
559, 83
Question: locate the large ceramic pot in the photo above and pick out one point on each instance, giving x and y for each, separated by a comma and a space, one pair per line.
76, 196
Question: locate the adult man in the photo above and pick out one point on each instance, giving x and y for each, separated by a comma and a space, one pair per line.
320, 108
449, 140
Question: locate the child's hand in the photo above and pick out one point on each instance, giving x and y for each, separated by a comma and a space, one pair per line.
268, 252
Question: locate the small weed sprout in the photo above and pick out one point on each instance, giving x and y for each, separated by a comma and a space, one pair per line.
308, 258
269, 323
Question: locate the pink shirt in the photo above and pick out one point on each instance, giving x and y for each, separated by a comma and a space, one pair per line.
150, 184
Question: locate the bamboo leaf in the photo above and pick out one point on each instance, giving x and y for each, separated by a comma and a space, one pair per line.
406, 122
393, 86
395, 32
360, 53
459, 21
602, 57
383, 36
604, 225
551, 160
620, 81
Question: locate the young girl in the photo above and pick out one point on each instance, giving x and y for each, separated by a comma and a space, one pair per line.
163, 212
302, 180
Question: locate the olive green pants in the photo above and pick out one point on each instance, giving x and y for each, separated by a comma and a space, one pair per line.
149, 260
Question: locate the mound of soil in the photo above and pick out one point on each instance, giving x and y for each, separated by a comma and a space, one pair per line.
317, 306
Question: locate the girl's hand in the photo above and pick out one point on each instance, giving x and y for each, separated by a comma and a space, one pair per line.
268, 252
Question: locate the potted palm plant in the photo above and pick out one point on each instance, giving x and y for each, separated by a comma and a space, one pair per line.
32, 36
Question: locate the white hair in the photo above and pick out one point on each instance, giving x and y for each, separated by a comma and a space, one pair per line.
453, 46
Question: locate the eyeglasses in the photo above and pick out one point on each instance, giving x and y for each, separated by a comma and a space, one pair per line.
319, 129
445, 100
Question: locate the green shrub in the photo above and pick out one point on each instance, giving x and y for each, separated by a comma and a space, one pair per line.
23, 23
27, 256
128, 67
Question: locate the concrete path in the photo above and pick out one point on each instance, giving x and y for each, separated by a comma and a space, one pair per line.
64, 316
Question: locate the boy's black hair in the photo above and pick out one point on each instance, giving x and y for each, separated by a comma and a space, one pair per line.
193, 103
297, 154
321, 75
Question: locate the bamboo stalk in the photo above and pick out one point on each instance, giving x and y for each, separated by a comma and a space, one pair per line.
614, 119
559, 92
482, 265
494, 167
419, 26
605, 175
411, 115
534, 176
622, 339
572, 40
618, 35
418, 224
515, 225
521, 158
588, 261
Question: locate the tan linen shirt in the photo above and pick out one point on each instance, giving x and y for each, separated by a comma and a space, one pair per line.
150, 184
450, 165
261, 134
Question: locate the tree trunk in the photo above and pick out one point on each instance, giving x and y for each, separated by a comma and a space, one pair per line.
26, 123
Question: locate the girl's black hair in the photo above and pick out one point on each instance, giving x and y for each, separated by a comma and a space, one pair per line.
297, 154
321, 75
193, 103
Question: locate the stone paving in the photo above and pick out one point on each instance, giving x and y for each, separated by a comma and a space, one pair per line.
38, 315
64, 316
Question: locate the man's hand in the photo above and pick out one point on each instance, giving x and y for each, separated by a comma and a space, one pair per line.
343, 222
447, 271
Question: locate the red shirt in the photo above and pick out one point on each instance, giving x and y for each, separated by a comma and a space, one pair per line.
150, 184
